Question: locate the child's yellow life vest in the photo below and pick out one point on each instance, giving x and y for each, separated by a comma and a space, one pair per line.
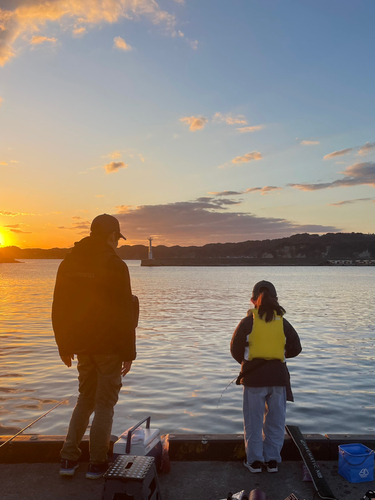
267, 340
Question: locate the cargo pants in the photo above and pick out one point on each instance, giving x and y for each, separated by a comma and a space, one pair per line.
99, 379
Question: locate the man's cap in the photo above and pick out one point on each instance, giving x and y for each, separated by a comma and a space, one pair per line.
106, 224
264, 284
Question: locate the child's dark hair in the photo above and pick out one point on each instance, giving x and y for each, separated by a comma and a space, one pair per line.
267, 305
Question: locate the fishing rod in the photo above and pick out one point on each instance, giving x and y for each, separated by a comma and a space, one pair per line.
230, 383
36, 420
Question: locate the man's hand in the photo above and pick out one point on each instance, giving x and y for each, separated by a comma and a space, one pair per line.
126, 365
67, 360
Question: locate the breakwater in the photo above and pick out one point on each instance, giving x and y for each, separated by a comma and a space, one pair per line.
231, 261
182, 447
249, 261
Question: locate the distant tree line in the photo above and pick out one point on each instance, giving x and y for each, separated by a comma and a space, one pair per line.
330, 246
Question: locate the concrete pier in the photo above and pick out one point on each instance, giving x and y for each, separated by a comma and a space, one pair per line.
203, 467
182, 447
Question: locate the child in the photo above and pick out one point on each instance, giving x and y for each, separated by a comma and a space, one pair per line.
261, 342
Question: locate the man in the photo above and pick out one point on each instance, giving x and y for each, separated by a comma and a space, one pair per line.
93, 317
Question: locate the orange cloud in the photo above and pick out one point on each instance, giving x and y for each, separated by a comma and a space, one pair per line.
347, 202
37, 40
30, 16
79, 31
362, 151
355, 175
196, 123
366, 148
264, 190
124, 209
309, 143
119, 43
1, 100
114, 166
254, 128
13, 214
337, 153
115, 155
255, 155
229, 119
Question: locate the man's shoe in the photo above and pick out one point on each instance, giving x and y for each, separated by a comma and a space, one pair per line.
96, 471
68, 467
272, 466
254, 467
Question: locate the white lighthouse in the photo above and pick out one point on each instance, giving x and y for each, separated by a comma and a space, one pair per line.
150, 248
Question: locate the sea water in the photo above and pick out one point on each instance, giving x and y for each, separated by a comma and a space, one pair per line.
187, 318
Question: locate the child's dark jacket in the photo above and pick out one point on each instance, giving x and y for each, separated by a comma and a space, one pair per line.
261, 372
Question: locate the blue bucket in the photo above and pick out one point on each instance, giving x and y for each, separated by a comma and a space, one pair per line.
356, 463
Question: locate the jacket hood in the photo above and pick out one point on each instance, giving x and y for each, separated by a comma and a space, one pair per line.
90, 249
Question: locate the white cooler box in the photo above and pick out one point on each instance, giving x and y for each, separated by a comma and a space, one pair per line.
139, 441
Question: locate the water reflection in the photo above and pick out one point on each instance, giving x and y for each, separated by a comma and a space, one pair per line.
183, 363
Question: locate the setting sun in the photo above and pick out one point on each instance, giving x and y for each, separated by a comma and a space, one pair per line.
2, 239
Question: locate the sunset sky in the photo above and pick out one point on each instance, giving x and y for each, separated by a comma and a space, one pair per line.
194, 121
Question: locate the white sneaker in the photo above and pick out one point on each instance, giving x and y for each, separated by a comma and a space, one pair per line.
271, 466
254, 467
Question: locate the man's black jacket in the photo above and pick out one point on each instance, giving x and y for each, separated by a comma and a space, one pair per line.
92, 309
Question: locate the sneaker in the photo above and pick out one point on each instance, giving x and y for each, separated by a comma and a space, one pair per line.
272, 466
254, 467
68, 467
96, 471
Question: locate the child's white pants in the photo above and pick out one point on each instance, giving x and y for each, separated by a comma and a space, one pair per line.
264, 411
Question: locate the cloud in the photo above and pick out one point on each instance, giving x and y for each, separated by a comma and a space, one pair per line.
114, 166
13, 214
229, 119
193, 43
263, 190
355, 175
37, 40
226, 193
362, 151
195, 122
19, 231
27, 17
82, 227
125, 209
338, 153
3, 163
347, 202
204, 220
309, 143
119, 43
115, 155
77, 32
366, 148
255, 155
1, 101
16, 228
254, 128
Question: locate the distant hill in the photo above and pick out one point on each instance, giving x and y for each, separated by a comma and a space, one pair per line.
330, 246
